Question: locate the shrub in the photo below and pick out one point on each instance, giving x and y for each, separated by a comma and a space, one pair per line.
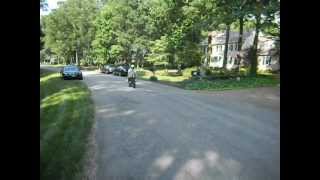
83, 62
179, 73
141, 73
162, 72
187, 71
244, 71
153, 78
217, 69
219, 73
208, 72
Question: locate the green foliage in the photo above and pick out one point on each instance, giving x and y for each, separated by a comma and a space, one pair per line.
190, 55
149, 32
70, 28
45, 55
187, 72
153, 78
207, 71
115, 53
159, 52
120, 32
83, 62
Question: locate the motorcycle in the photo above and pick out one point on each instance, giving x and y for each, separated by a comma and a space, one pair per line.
132, 82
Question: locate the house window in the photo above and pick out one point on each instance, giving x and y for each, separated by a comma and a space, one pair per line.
268, 60
237, 61
219, 58
230, 47
263, 60
230, 60
215, 59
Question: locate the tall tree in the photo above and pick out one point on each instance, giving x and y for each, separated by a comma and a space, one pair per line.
116, 26
241, 10
69, 30
41, 37
262, 11
225, 15
159, 54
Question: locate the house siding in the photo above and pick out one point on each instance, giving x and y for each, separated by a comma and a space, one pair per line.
216, 39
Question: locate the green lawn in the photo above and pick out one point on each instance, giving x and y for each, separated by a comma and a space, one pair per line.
56, 65
231, 84
165, 77
186, 82
66, 118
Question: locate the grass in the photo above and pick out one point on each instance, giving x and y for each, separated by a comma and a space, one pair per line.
186, 82
89, 68
56, 65
66, 119
231, 84
166, 77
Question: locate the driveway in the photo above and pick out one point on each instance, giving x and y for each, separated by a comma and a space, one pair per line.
158, 132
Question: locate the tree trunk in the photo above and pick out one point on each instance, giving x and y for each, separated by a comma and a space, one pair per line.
225, 56
208, 51
240, 33
254, 58
77, 60
240, 41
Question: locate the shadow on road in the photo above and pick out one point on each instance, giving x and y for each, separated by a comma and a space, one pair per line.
162, 132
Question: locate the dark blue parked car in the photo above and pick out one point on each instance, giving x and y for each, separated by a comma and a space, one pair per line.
71, 72
121, 70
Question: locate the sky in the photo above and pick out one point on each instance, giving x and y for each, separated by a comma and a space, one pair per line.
52, 4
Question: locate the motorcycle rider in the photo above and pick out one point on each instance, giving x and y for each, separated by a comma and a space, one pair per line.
132, 73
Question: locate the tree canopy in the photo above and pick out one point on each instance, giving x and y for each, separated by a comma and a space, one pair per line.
149, 31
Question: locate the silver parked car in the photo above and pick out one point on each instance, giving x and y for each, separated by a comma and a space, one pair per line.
109, 68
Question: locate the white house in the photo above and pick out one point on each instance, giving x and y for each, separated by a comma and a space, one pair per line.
267, 58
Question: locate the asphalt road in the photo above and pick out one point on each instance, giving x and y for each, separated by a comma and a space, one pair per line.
158, 132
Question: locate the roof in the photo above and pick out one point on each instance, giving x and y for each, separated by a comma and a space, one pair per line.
219, 37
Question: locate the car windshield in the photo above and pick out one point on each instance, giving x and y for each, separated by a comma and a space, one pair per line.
73, 68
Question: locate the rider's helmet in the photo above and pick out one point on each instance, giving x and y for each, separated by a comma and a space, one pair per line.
132, 66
